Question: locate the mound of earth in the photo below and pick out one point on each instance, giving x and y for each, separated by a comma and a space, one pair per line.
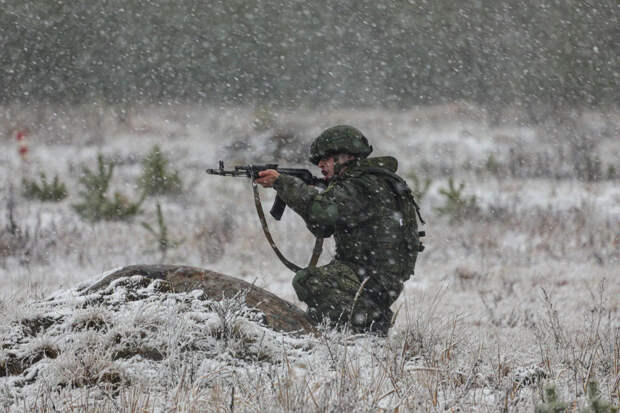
135, 321
279, 314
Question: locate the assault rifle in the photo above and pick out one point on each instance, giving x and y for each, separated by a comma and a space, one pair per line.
251, 171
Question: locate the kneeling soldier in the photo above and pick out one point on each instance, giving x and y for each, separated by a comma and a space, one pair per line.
372, 215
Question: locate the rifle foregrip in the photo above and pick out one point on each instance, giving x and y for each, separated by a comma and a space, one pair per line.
278, 208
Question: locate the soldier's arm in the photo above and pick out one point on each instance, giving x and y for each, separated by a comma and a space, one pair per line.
346, 202
298, 196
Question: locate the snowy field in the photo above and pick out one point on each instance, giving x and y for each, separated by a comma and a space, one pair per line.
519, 292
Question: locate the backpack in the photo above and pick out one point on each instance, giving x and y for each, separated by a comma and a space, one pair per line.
409, 209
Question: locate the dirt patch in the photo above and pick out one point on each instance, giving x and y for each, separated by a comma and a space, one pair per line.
37, 325
14, 365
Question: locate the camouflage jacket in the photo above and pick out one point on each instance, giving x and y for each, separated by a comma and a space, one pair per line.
360, 210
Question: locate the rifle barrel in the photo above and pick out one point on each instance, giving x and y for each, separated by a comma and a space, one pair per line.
251, 171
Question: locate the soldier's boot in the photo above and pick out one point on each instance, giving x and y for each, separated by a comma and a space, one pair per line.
369, 317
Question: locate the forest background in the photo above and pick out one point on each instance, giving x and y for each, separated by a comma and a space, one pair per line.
345, 53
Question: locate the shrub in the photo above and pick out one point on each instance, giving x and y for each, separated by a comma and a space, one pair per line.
156, 179
95, 204
456, 205
552, 402
492, 165
44, 191
595, 403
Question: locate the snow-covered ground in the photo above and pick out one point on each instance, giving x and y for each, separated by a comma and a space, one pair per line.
520, 293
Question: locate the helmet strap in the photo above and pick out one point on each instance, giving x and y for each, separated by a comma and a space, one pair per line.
339, 166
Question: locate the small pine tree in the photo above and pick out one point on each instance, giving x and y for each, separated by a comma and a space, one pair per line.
95, 205
595, 402
163, 243
54, 192
552, 404
156, 179
456, 206
492, 165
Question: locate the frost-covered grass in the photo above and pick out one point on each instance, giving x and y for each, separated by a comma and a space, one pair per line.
521, 294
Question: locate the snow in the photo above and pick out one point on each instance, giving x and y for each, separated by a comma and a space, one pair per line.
474, 303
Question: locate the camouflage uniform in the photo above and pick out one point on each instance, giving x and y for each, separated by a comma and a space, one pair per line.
360, 209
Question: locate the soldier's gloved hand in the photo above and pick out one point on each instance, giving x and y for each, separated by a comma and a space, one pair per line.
267, 178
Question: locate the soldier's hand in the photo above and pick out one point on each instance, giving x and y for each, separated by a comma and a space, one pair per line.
267, 178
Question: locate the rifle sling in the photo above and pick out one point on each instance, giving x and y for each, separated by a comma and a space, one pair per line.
318, 245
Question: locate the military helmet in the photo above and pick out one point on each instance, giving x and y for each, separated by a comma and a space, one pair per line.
339, 139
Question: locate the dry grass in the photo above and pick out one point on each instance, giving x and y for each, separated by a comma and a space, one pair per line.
524, 295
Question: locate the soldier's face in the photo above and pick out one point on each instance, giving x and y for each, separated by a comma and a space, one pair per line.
328, 164
327, 167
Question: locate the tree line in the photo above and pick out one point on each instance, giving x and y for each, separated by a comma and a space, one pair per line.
340, 52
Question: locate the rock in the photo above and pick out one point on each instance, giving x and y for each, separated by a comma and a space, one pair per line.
280, 315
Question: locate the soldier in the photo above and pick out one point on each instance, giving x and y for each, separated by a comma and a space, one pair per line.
371, 214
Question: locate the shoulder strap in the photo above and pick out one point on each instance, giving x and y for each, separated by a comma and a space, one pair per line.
318, 245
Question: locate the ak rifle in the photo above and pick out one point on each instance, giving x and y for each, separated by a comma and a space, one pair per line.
251, 171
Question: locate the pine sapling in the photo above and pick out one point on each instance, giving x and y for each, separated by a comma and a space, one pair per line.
161, 235
156, 178
456, 205
55, 191
552, 404
595, 402
95, 204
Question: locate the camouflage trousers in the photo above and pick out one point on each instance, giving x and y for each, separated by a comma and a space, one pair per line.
330, 291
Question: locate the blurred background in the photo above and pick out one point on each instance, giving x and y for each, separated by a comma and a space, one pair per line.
533, 54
